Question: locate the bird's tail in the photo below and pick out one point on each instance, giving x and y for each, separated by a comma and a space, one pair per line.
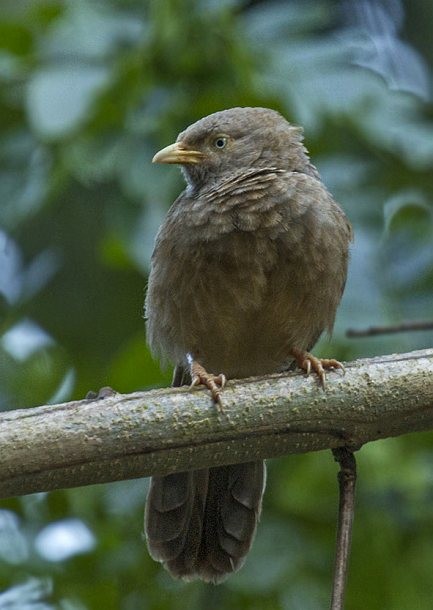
201, 524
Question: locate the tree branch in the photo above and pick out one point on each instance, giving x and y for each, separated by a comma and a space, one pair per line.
161, 431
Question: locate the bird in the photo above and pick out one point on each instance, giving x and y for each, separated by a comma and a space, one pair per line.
247, 272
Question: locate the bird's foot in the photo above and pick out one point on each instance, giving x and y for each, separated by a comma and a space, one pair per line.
214, 383
307, 362
104, 392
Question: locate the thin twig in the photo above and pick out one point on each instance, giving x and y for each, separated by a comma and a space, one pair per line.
346, 480
387, 330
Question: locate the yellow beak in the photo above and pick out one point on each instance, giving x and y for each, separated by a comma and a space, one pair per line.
177, 153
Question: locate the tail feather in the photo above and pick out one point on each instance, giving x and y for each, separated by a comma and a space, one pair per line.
201, 524
169, 515
171, 491
204, 528
243, 480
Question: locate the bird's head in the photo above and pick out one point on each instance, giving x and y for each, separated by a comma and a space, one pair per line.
229, 141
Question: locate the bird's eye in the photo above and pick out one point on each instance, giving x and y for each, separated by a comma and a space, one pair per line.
220, 142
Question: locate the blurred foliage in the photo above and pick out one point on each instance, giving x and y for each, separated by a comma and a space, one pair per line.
89, 91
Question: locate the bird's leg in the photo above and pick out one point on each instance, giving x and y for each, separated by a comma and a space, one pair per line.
346, 482
308, 362
200, 376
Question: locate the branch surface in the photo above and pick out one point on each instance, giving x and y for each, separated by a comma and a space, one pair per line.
171, 430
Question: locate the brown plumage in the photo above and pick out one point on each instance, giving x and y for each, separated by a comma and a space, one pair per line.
248, 269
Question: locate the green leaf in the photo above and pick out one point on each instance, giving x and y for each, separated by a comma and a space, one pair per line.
408, 206
59, 99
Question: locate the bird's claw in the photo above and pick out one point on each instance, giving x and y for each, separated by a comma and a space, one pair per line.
307, 362
104, 392
214, 383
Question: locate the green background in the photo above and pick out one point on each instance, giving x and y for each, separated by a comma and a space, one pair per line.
89, 92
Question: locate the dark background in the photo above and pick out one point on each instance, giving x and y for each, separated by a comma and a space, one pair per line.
89, 92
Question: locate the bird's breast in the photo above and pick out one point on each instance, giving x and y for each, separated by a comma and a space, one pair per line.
226, 301
239, 285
